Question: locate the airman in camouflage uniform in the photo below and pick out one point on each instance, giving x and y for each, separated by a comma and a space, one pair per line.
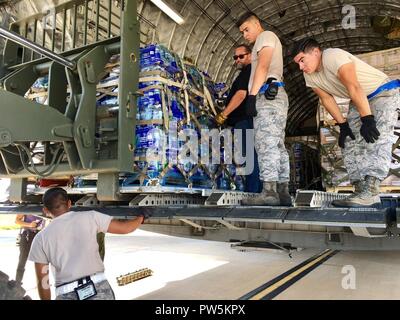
366, 159
269, 114
269, 126
366, 137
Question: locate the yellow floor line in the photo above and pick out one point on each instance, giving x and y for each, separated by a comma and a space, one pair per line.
281, 282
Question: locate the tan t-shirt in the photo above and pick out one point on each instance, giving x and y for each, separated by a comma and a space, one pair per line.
268, 39
326, 79
69, 244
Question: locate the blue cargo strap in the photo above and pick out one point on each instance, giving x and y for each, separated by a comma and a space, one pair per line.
394, 84
266, 85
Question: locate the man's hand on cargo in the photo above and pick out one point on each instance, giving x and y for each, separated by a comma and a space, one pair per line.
368, 129
220, 118
251, 106
126, 226
345, 132
33, 224
144, 216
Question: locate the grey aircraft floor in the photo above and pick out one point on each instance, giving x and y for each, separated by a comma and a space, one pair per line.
198, 269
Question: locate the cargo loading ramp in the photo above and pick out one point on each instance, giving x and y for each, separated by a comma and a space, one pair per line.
303, 226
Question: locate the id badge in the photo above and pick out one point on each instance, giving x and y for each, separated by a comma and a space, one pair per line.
86, 291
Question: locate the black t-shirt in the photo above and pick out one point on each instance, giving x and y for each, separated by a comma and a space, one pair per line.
240, 83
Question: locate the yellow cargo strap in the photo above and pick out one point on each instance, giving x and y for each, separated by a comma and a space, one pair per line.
208, 95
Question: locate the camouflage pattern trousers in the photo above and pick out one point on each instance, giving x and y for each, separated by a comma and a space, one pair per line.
269, 127
372, 159
103, 288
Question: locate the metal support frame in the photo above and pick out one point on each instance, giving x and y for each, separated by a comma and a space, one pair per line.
20, 80
197, 226
108, 187
89, 200
149, 200
71, 123
316, 199
363, 232
128, 84
228, 225
228, 198
19, 193
337, 228
252, 246
17, 112
15, 37
300, 239
18, 189
90, 69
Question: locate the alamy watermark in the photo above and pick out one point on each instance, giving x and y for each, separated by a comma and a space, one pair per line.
349, 280
205, 146
349, 20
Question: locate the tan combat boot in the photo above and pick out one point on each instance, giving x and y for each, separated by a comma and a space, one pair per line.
357, 190
368, 196
268, 196
284, 195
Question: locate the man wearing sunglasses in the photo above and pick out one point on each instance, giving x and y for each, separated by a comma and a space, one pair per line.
268, 103
235, 114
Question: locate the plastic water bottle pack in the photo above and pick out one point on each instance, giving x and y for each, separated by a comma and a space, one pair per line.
162, 82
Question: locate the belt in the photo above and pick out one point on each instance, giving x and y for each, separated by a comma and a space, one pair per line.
69, 287
29, 231
394, 84
266, 85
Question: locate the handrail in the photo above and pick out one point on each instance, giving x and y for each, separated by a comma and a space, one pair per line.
15, 37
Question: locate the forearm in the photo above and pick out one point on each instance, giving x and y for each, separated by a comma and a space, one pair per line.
43, 285
348, 76
259, 78
132, 225
235, 102
360, 100
44, 294
333, 109
126, 226
23, 224
19, 220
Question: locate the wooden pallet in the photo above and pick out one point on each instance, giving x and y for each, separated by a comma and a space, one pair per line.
103, 89
340, 189
350, 188
387, 61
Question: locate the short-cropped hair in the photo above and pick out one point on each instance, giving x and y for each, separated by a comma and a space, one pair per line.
305, 45
247, 47
54, 198
245, 17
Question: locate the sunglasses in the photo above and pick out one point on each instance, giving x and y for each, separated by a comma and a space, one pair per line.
240, 56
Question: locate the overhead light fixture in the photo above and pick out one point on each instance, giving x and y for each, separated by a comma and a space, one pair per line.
169, 11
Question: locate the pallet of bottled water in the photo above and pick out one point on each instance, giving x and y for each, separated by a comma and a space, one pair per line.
176, 109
